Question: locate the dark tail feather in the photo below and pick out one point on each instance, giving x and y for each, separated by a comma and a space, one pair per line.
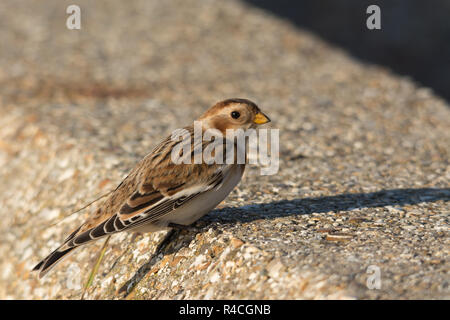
52, 259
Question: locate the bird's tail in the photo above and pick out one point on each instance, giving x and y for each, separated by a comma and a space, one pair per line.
56, 256
51, 260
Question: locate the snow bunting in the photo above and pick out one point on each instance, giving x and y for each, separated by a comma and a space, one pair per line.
159, 194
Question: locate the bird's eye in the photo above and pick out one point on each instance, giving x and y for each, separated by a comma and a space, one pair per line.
235, 114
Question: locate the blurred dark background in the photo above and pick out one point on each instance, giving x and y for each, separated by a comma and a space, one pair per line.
414, 39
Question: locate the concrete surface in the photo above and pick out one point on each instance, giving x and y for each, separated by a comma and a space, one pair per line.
363, 179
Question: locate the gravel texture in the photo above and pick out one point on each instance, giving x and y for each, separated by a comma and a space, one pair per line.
364, 171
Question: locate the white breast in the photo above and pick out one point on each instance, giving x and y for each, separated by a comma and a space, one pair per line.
203, 203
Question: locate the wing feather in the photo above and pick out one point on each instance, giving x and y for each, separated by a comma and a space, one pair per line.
148, 212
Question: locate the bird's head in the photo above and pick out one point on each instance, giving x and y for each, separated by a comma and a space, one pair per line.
233, 114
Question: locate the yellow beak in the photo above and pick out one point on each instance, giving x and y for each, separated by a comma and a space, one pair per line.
261, 118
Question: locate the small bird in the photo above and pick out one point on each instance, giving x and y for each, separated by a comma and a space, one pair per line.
158, 193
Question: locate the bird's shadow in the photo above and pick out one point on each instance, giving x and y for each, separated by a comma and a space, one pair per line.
340, 202
285, 208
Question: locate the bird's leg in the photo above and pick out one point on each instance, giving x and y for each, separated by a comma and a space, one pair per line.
126, 289
133, 238
181, 227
